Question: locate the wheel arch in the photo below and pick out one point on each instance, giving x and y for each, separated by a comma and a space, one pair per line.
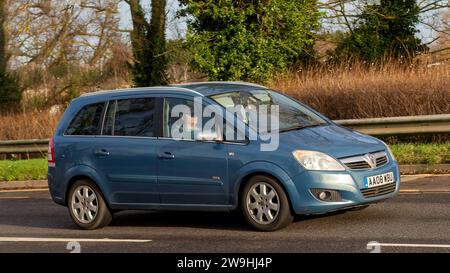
269, 170
84, 172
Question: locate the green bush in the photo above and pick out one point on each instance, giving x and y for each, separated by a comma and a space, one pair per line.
387, 29
249, 40
10, 92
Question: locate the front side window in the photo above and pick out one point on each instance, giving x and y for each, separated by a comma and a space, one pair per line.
292, 115
181, 122
172, 127
131, 117
87, 121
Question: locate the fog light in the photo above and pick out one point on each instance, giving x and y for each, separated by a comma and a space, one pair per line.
324, 195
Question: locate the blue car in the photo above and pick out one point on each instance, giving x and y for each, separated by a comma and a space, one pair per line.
122, 150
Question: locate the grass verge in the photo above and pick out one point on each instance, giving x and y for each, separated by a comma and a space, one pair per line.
22, 170
429, 153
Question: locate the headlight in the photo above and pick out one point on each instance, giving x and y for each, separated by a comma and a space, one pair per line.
312, 160
389, 150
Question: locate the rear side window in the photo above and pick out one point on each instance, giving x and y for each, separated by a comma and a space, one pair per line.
131, 117
87, 121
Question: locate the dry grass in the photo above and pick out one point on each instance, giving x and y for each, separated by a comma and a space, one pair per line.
355, 91
340, 93
30, 125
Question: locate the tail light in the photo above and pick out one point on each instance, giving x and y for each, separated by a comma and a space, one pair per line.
51, 153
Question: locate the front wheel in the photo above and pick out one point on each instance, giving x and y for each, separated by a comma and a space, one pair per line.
265, 204
87, 207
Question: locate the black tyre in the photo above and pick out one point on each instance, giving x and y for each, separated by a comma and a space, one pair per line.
87, 206
265, 204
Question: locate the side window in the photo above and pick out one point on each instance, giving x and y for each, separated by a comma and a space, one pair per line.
131, 117
87, 121
171, 123
174, 123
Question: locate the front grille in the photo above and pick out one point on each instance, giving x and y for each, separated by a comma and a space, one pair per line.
358, 165
363, 162
381, 161
378, 191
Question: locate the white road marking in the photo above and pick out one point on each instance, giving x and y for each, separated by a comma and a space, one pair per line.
25, 190
52, 240
15, 197
412, 245
423, 191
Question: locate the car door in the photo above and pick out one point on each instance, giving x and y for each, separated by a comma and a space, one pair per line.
126, 154
190, 172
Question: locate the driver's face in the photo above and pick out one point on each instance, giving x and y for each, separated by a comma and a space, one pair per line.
191, 122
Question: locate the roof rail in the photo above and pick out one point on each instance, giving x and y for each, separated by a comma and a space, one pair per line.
220, 82
138, 89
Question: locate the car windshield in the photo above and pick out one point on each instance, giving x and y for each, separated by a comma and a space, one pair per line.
293, 115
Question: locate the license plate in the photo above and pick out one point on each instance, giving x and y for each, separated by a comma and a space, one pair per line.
378, 180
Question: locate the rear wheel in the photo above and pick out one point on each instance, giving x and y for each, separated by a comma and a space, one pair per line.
265, 204
87, 206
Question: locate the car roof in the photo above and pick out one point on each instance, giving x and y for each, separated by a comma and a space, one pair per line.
219, 87
197, 88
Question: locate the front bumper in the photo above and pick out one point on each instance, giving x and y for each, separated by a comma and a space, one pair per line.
348, 183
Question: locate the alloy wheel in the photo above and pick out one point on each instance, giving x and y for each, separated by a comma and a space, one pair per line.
263, 203
84, 204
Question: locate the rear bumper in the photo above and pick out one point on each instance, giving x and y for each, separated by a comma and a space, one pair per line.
56, 191
347, 183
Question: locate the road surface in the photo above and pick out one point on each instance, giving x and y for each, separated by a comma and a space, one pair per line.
414, 221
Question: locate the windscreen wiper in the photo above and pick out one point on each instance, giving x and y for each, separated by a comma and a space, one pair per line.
294, 128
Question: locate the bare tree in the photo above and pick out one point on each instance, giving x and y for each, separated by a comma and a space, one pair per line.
442, 49
3, 57
149, 43
48, 31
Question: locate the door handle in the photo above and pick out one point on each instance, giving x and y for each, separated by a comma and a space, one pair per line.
166, 155
101, 152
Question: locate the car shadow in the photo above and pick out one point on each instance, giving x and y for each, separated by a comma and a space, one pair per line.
192, 219
40, 212
303, 218
209, 220
232, 221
